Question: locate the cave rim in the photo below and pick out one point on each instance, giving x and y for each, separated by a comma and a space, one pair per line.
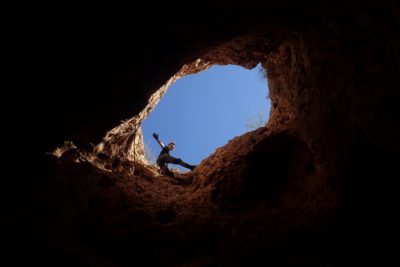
192, 66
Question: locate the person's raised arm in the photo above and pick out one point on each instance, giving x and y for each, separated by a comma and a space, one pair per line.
158, 140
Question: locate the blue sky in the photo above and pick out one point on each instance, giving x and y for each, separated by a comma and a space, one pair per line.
203, 111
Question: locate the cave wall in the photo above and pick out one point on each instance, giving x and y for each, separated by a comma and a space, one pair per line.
333, 78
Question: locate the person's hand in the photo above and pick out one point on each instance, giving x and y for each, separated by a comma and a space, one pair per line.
155, 136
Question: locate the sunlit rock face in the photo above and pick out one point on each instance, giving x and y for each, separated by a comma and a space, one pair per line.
307, 189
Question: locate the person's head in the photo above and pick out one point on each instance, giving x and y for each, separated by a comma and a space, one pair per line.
171, 146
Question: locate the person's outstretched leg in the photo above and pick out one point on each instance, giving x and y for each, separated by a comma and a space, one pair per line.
189, 166
174, 160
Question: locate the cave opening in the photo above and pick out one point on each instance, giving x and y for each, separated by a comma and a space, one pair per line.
203, 111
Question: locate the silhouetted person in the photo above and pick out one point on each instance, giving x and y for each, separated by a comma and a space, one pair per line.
164, 158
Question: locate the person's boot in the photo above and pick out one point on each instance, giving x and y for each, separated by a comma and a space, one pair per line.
192, 167
186, 165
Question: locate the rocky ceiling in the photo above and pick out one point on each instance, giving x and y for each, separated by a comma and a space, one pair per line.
307, 189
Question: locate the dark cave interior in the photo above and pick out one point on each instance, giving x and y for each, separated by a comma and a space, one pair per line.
305, 190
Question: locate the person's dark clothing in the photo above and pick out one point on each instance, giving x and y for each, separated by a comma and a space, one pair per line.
164, 151
164, 158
